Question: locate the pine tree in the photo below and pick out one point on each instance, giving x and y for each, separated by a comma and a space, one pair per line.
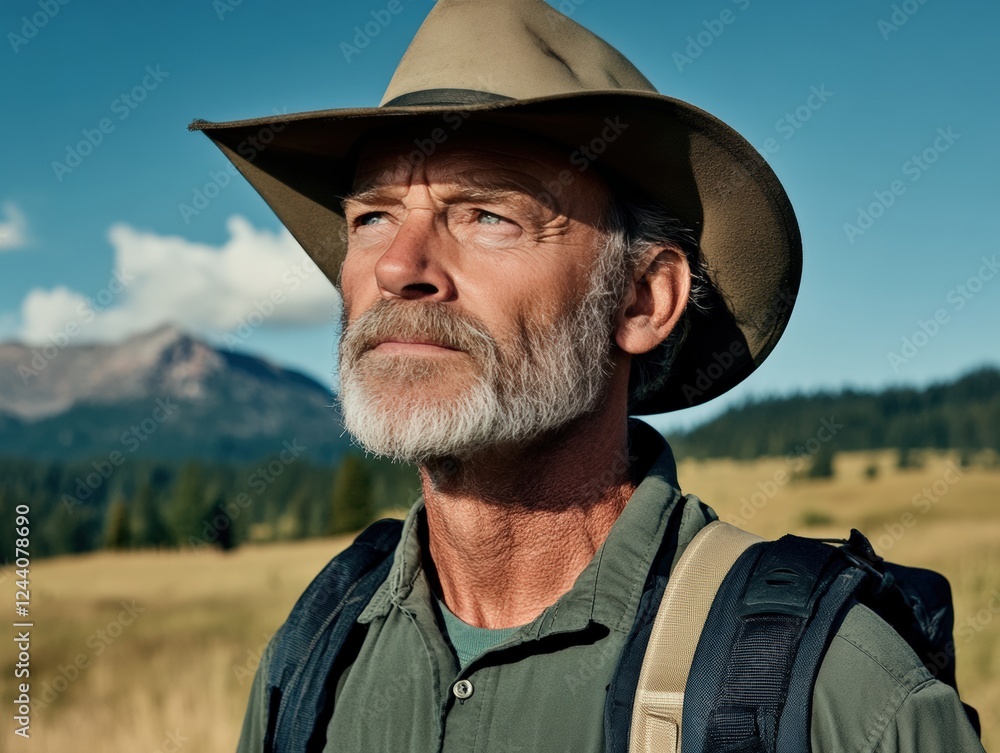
822, 463
188, 511
148, 528
117, 534
298, 514
908, 459
221, 524
351, 507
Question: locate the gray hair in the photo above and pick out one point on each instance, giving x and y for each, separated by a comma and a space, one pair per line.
634, 226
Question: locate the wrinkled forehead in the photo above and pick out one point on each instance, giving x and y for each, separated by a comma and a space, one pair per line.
481, 156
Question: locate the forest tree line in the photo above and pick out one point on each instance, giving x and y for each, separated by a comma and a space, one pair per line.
959, 415
85, 506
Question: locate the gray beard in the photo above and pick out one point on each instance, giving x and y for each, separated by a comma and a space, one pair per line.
517, 393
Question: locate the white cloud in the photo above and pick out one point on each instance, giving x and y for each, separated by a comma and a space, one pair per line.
13, 228
49, 311
256, 275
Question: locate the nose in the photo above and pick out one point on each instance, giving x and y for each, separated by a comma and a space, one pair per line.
413, 267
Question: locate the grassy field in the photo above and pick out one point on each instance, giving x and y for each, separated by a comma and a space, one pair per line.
144, 652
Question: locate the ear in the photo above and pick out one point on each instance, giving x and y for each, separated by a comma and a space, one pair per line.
655, 300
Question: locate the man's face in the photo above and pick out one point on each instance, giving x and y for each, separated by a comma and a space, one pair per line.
474, 314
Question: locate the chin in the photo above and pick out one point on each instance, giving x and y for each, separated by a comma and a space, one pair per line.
410, 426
413, 417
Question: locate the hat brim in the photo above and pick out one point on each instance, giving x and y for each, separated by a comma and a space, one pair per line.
701, 170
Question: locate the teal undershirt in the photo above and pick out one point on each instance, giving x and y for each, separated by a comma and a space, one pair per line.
468, 640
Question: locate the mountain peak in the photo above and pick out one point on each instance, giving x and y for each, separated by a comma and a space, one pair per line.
189, 399
164, 362
167, 332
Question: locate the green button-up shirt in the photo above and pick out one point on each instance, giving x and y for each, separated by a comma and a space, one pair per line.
543, 688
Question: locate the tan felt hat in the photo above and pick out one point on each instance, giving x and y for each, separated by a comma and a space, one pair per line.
521, 64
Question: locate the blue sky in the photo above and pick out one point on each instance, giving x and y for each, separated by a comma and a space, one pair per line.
853, 103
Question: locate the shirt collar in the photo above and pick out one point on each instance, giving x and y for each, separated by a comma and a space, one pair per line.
609, 588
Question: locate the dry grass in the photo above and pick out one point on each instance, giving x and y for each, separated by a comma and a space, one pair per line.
182, 667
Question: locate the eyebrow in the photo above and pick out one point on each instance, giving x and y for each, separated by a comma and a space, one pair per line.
474, 187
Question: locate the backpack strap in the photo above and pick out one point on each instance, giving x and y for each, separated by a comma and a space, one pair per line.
752, 677
308, 645
687, 598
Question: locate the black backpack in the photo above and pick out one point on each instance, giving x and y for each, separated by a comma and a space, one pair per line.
751, 682
790, 595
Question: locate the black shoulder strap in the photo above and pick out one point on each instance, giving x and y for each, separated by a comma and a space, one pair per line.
750, 685
308, 644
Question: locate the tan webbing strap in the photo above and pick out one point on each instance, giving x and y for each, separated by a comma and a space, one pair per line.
659, 697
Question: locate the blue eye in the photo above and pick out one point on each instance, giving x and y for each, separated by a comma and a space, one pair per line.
489, 218
371, 218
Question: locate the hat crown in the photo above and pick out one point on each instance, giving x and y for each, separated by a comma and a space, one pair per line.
514, 48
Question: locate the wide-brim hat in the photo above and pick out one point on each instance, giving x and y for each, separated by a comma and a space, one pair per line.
521, 64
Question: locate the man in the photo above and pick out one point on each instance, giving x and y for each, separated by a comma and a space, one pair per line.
531, 244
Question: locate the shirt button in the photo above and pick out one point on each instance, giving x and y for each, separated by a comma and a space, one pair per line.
462, 689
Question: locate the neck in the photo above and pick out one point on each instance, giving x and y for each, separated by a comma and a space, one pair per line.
508, 534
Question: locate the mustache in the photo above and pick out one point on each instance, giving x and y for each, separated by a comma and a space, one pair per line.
427, 320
